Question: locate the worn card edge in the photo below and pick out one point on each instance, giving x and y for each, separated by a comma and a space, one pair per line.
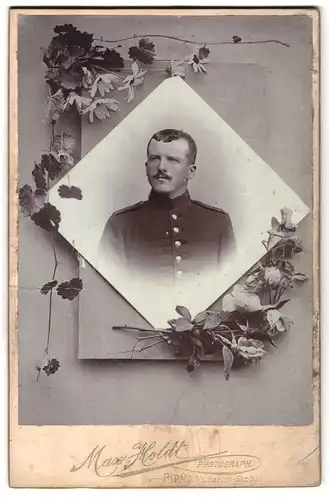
29, 438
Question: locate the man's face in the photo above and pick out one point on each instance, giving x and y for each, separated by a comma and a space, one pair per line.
168, 167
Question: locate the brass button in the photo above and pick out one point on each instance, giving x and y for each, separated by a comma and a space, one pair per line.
174, 216
177, 243
179, 274
176, 230
178, 258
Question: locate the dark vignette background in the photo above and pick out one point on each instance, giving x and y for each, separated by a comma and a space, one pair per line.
90, 392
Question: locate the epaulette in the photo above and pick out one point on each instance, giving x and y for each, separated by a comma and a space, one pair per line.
209, 207
129, 209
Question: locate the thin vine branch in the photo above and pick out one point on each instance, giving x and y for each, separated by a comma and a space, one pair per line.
229, 329
151, 345
193, 42
128, 351
143, 330
56, 262
150, 337
51, 295
52, 138
111, 72
285, 288
277, 294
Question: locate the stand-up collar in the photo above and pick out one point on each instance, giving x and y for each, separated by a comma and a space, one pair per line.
166, 203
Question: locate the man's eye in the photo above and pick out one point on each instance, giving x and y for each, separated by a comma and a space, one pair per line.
173, 160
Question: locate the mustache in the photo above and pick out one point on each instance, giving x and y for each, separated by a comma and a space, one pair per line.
162, 175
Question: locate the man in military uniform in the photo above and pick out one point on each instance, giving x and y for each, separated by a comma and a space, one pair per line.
170, 235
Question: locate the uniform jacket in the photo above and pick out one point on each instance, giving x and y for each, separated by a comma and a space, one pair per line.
169, 238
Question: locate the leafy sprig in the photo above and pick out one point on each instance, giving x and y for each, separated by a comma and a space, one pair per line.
78, 63
81, 73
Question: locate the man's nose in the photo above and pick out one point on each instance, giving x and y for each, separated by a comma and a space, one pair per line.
162, 165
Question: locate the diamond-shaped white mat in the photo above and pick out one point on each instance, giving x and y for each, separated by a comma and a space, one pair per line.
230, 175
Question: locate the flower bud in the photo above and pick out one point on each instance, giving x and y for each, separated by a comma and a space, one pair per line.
272, 276
251, 280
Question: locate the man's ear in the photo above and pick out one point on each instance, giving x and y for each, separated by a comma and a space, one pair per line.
191, 172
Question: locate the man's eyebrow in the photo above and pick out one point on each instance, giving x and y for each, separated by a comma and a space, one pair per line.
171, 157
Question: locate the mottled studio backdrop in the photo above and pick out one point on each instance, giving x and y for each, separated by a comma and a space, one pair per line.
264, 93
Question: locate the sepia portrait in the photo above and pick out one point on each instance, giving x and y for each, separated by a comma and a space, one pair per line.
170, 234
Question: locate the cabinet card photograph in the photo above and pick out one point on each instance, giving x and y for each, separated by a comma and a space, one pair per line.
164, 232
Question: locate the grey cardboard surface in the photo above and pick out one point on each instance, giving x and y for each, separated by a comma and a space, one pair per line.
269, 88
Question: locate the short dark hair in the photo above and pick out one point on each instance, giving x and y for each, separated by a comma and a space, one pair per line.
171, 134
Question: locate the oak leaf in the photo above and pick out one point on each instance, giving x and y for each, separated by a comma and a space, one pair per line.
145, 52
31, 201
51, 165
70, 289
47, 218
51, 367
70, 192
39, 177
48, 286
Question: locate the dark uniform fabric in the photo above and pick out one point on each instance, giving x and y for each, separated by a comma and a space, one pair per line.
169, 238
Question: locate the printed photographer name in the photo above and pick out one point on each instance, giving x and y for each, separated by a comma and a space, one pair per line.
145, 454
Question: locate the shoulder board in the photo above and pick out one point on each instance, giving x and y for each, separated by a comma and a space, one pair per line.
209, 207
130, 208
